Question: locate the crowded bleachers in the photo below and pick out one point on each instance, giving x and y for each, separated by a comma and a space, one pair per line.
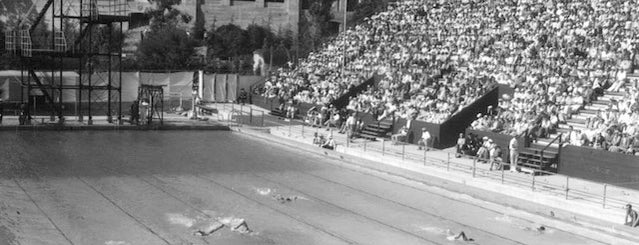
416, 46
561, 56
436, 57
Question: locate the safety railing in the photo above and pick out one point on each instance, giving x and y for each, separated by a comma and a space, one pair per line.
238, 114
604, 195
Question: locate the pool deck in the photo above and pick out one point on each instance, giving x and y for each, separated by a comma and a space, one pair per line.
171, 122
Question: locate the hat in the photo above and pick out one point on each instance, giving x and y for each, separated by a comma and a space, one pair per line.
423, 129
485, 138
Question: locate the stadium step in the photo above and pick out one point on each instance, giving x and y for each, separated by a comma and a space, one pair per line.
615, 95
576, 120
375, 130
531, 159
588, 112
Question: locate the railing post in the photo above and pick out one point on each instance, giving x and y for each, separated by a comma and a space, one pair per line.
251, 115
383, 146
474, 166
289, 127
448, 162
425, 158
502, 174
567, 188
262, 118
605, 186
403, 151
533, 180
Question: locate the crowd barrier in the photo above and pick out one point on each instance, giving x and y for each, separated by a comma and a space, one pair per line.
597, 194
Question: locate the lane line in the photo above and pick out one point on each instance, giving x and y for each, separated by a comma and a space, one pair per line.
344, 239
348, 210
45, 214
412, 208
242, 195
351, 165
127, 213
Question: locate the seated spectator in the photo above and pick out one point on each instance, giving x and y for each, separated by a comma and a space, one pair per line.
329, 144
401, 135
425, 140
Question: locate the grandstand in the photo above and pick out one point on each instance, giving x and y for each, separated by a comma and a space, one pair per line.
558, 65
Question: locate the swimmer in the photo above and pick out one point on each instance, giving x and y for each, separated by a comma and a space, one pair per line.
461, 236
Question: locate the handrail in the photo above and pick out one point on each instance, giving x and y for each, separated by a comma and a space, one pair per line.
548, 145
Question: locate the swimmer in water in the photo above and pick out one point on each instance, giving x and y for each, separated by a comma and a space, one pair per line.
461, 236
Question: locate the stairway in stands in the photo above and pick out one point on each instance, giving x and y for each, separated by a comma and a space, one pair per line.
531, 157
375, 130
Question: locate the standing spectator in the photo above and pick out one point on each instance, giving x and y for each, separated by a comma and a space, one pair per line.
425, 140
461, 145
513, 147
135, 113
351, 125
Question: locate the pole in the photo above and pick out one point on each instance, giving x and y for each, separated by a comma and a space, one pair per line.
605, 186
364, 145
474, 166
502, 174
533, 180
403, 151
302, 130
251, 115
424, 158
289, 128
448, 162
567, 188
383, 146
262, 118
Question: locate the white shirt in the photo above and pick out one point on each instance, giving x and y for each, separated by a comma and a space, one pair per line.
513, 145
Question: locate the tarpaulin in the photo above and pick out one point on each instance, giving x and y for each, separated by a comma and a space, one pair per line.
231, 87
220, 88
208, 87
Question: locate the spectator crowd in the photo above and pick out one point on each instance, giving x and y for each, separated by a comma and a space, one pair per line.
435, 57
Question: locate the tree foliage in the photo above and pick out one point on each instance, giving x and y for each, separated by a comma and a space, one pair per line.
166, 45
167, 48
315, 24
366, 8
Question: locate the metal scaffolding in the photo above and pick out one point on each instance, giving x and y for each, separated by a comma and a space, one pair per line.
83, 36
152, 103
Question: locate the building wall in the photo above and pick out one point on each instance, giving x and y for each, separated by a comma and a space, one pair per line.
279, 15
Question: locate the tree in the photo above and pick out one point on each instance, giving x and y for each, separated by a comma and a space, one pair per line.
167, 48
259, 37
315, 24
366, 8
228, 41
